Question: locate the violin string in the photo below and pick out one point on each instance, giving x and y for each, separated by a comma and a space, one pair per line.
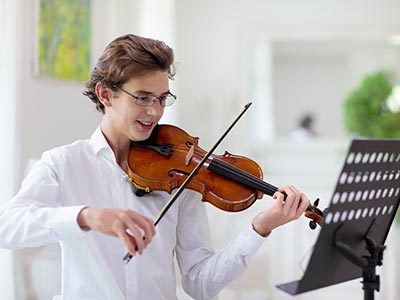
235, 171
186, 148
254, 180
246, 177
257, 181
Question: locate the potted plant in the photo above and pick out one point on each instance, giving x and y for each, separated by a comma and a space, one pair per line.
373, 109
369, 111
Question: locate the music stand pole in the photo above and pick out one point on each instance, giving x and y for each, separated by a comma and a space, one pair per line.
371, 281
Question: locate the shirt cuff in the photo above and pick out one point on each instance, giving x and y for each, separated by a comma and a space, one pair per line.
65, 221
250, 241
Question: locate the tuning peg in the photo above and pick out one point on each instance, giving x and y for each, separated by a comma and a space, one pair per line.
316, 202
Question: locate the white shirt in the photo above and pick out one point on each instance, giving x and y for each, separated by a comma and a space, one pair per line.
85, 173
301, 134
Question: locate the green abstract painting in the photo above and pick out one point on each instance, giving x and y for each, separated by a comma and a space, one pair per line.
64, 33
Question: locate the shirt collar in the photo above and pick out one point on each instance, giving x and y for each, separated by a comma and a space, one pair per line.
100, 144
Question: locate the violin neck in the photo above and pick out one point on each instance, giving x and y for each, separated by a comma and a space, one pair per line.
228, 171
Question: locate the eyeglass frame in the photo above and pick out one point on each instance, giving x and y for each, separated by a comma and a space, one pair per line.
154, 98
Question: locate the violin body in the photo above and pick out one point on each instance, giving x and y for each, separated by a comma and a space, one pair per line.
151, 169
229, 182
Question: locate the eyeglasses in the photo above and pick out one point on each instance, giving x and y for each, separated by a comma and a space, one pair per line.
149, 100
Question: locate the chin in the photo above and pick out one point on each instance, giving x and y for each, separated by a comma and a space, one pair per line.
139, 137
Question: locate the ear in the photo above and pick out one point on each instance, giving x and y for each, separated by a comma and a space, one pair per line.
104, 94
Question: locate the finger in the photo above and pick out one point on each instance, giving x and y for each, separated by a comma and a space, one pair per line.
304, 202
153, 228
141, 227
287, 200
146, 228
285, 189
129, 242
293, 196
279, 197
118, 229
145, 223
137, 235
296, 201
149, 230
290, 189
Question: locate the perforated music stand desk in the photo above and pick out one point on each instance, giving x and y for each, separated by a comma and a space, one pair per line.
366, 198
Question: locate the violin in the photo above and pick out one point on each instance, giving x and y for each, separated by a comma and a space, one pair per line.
229, 182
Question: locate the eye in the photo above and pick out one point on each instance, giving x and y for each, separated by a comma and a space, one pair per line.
144, 98
163, 98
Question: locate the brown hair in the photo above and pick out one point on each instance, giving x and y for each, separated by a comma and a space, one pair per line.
126, 57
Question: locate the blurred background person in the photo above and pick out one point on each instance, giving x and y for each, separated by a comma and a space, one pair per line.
305, 129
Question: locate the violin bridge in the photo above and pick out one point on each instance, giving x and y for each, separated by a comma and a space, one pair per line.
189, 155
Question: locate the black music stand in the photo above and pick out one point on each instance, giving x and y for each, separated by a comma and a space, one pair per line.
363, 206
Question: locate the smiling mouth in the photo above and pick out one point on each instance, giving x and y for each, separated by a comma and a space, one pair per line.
145, 123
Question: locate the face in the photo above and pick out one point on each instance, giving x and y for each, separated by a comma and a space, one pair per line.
124, 120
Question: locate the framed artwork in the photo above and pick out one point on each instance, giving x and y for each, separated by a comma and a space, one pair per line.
63, 39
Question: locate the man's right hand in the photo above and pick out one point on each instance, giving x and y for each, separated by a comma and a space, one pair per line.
133, 229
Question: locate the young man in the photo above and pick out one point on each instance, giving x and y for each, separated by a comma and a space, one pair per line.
79, 195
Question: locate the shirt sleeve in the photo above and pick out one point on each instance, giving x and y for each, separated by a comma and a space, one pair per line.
205, 273
35, 217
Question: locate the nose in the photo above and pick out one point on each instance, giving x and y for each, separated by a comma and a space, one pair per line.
155, 110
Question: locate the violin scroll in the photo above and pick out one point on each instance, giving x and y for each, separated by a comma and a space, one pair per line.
315, 214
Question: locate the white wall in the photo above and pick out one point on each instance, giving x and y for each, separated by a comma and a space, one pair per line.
52, 111
214, 40
316, 75
8, 158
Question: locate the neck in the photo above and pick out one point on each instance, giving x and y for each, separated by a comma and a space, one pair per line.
119, 148
120, 155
